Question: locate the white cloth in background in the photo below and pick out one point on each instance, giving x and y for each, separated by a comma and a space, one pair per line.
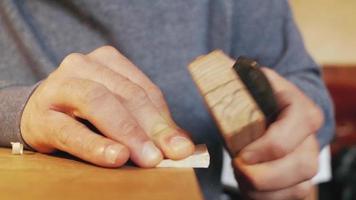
324, 174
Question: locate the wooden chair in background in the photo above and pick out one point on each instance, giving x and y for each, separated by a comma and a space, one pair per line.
341, 82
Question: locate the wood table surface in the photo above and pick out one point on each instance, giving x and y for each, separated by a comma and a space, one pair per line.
39, 176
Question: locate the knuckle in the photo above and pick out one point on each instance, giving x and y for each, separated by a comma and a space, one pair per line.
316, 118
95, 94
63, 135
253, 180
136, 96
107, 49
66, 84
313, 170
301, 191
258, 184
128, 127
71, 61
279, 148
155, 92
156, 95
93, 146
47, 90
122, 86
308, 166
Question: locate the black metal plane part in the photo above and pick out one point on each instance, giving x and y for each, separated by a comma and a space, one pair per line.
258, 86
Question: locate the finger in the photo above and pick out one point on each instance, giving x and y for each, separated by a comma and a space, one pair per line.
94, 102
298, 166
173, 141
298, 119
297, 192
169, 138
117, 62
281, 137
75, 138
180, 144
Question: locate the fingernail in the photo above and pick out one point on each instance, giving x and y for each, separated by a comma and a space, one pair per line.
112, 152
249, 157
151, 152
179, 143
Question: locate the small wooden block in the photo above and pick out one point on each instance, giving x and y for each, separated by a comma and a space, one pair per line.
200, 159
17, 148
231, 105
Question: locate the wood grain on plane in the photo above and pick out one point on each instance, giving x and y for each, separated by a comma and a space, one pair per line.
231, 105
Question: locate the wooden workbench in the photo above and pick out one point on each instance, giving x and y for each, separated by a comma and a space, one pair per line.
39, 176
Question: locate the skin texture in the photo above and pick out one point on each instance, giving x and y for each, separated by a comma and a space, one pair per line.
106, 89
280, 164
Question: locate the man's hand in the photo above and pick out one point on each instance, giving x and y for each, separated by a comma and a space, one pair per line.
106, 89
280, 164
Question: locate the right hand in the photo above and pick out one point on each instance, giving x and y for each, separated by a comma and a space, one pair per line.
106, 89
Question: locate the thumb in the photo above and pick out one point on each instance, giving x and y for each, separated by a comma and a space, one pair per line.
75, 138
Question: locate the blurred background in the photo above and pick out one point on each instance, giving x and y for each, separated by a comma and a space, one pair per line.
329, 31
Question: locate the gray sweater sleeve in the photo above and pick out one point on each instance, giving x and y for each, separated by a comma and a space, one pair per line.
13, 100
270, 35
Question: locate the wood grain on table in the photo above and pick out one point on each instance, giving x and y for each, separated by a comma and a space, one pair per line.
39, 176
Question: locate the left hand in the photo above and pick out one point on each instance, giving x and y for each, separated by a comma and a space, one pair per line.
280, 164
